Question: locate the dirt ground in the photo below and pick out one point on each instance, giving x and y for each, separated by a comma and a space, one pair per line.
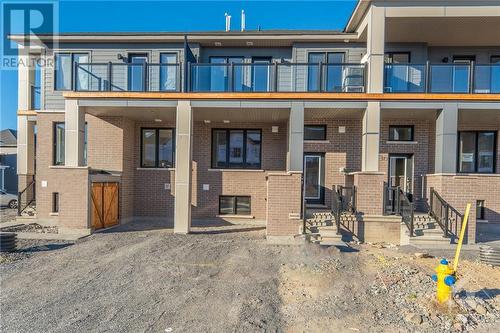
229, 279
7, 214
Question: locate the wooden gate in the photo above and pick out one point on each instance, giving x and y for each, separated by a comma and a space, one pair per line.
104, 204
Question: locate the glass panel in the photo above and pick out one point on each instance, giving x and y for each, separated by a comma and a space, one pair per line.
467, 151
82, 76
312, 177
485, 152
168, 72
243, 205
238, 72
314, 133
59, 144
63, 71
404, 78
400, 133
85, 136
400, 58
218, 74
226, 205
36, 88
165, 148
253, 148
136, 72
487, 78
450, 78
236, 147
148, 147
313, 70
261, 77
219, 149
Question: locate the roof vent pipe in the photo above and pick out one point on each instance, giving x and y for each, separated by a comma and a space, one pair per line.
228, 22
242, 20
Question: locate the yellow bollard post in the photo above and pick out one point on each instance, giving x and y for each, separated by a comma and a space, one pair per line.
461, 238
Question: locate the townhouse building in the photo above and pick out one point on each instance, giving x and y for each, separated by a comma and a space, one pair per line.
383, 131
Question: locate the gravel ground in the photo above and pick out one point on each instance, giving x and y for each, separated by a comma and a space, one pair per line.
7, 214
229, 279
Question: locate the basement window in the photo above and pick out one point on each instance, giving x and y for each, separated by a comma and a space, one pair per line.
234, 205
55, 202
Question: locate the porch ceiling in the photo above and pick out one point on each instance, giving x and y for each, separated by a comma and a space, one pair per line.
332, 113
134, 113
485, 117
423, 114
444, 31
241, 114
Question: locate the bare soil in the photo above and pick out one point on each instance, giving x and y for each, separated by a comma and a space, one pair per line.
143, 278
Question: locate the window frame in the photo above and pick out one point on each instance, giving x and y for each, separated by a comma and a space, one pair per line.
235, 205
325, 129
177, 73
157, 146
72, 55
476, 152
55, 202
412, 136
244, 164
54, 142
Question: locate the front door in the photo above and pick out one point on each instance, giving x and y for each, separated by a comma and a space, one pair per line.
137, 71
401, 173
314, 176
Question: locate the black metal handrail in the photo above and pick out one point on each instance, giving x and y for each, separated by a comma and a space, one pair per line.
447, 217
343, 200
396, 202
30, 197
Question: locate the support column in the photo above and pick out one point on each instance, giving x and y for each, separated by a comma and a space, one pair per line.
371, 137
375, 49
74, 134
446, 139
296, 137
183, 159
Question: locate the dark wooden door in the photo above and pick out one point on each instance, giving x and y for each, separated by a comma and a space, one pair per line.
104, 204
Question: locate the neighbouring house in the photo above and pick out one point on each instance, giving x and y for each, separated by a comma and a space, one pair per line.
8, 161
382, 131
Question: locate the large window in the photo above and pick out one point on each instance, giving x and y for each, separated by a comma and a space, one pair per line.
157, 148
397, 57
333, 73
234, 205
477, 152
401, 133
315, 132
64, 71
59, 142
236, 148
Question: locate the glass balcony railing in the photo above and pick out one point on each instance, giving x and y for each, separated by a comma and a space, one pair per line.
277, 77
126, 77
442, 78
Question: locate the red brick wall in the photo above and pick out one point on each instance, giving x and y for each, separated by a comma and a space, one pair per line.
369, 192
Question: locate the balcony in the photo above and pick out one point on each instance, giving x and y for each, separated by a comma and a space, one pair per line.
442, 78
127, 77
235, 77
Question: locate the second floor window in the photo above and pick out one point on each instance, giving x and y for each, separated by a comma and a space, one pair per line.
64, 71
329, 78
236, 148
157, 148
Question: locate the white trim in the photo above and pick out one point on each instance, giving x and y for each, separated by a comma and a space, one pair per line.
235, 216
316, 141
236, 170
394, 142
156, 169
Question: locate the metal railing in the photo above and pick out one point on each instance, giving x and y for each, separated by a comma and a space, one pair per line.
447, 217
126, 77
26, 197
442, 78
396, 202
343, 200
277, 77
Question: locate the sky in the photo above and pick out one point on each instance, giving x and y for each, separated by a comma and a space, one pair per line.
179, 16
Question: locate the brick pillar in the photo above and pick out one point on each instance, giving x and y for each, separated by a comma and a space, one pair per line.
283, 204
183, 159
369, 192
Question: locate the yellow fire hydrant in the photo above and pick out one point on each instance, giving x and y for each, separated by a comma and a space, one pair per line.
445, 279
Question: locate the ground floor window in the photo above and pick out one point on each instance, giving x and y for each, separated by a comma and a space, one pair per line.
477, 151
236, 148
315, 132
157, 148
401, 133
58, 143
234, 205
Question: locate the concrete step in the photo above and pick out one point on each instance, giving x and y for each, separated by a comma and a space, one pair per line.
429, 240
